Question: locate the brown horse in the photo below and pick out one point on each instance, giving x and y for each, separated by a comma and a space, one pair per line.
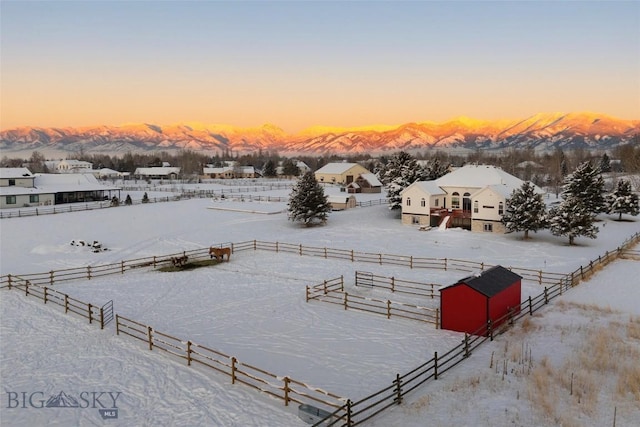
219, 253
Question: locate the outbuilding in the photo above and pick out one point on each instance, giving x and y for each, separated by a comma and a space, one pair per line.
469, 304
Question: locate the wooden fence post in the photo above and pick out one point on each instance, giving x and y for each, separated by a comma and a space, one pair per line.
300, 250
445, 264
546, 296
9, 279
45, 294
51, 277
342, 282
117, 325
154, 261
325, 253
437, 318
26, 288
351, 255
66, 303
398, 390
101, 317
466, 345
530, 307
388, 309
346, 296
411, 262
349, 410
489, 329
188, 353
89, 272
435, 365
286, 391
233, 370
121, 267
90, 312
393, 284
307, 294
150, 337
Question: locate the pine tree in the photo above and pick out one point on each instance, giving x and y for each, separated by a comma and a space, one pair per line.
525, 211
401, 170
434, 170
307, 202
270, 169
145, 198
289, 168
605, 163
623, 200
586, 185
572, 219
128, 200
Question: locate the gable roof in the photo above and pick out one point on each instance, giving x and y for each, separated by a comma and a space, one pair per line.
478, 176
336, 168
372, 179
490, 282
15, 173
429, 187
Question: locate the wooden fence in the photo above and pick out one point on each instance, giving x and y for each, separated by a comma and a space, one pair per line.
94, 313
537, 276
354, 413
285, 388
394, 285
332, 292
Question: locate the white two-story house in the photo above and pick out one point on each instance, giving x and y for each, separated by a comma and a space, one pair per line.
471, 197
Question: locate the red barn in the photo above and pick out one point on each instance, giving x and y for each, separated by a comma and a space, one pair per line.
467, 305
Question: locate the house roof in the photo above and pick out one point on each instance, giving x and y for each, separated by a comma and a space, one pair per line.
157, 171
372, 179
429, 187
336, 168
490, 282
56, 183
478, 176
6, 173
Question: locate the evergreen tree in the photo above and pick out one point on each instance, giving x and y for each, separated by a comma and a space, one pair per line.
401, 170
145, 198
434, 170
605, 163
289, 168
572, 219
270, 169
623, 200
115, 201
525, 210
128, 200
586, 185
307, 202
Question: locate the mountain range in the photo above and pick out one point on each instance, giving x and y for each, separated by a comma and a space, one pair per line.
540, 132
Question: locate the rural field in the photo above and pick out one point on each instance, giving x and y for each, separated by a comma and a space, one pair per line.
550, 369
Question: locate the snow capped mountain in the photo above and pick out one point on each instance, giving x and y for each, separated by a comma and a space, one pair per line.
545, 131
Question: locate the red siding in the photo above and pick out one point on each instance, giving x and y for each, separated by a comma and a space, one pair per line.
500, 303
462, 309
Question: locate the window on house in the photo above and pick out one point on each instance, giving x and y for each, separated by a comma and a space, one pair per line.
11, 200
12, 182
488, 227
423, 202
500, 208
436, 203
408, 201
475, 206
455, 200
34, 198
415, 220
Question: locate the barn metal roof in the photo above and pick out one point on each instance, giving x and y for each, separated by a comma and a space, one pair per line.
490, 282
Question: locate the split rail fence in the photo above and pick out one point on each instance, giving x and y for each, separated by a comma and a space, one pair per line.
353, 412
332, 292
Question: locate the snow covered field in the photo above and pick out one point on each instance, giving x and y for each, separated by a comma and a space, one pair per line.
254, 308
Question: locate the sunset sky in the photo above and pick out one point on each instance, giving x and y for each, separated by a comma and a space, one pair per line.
300, 63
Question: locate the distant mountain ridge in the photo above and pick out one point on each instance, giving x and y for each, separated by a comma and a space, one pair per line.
541, 132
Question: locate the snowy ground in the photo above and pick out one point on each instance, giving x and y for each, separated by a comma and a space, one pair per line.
254, 308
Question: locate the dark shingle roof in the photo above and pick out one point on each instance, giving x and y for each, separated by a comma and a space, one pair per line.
492, 281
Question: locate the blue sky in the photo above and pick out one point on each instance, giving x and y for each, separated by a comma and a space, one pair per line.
298, 64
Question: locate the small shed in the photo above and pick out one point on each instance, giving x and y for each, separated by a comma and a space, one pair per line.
340, 203
468, 305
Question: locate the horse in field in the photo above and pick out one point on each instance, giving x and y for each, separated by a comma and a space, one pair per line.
179, 261
219, 253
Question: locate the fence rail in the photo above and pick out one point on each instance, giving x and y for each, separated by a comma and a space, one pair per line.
394, 285
356, 413
284, 388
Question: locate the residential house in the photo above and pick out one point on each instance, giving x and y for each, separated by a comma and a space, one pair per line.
365, 183
157, 172
340, 173
68, 166
342, 202
471, 197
